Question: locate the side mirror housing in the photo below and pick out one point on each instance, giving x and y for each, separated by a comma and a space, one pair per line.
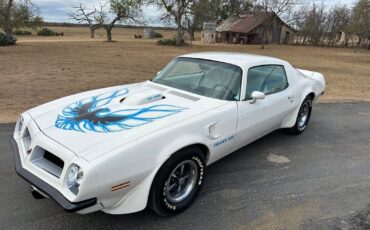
256, 95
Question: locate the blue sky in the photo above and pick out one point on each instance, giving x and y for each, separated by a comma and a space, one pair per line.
57, 10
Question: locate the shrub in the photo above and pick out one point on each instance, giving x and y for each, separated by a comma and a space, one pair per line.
22, 32
158, 35
7, 40
46, 32
166, 42
169, 42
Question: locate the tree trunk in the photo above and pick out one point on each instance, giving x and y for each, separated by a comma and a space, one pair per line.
8, 27
192, 36
304, 40
109, 34
263, 37
345, 40
92, 32
179, 36
359, 41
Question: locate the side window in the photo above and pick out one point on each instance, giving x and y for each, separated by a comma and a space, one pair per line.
268, 79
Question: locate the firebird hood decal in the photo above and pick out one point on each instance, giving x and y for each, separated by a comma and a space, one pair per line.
94, 122
94, 114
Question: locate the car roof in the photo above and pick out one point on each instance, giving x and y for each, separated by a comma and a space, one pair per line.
239, 59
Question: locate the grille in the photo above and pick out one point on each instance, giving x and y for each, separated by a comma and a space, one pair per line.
47, 161
53, 159
26, 139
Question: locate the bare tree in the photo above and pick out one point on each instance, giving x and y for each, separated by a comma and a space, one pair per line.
35, 23
15, 13
94, 18
338, 23
315, 26
128, 10
225, 8
361, 22
180, 12
217, 10
270, 9
320, 26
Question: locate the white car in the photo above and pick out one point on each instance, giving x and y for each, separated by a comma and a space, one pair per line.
122, 148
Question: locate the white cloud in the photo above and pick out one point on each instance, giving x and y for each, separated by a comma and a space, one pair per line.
57, 10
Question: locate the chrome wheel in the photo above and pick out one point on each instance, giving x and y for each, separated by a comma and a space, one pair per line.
181, 181
303, 116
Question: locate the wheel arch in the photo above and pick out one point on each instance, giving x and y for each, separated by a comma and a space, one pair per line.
312, 95
290, 120
203, 148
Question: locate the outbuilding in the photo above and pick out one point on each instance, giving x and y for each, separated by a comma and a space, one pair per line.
251, 28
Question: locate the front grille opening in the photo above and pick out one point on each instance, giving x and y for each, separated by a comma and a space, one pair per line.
53, 159
26, 139
47, 161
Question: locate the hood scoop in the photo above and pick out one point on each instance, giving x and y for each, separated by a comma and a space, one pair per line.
143, 97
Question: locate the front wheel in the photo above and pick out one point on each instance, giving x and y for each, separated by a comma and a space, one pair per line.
177, 182
303, 117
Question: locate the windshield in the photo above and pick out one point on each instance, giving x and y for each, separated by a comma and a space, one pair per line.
204, 77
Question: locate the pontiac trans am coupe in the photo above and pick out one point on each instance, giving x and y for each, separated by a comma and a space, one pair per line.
122, 148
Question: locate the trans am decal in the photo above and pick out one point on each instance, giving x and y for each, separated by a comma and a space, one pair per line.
93, 114
223, 141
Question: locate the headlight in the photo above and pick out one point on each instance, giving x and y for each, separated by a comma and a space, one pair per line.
74, 178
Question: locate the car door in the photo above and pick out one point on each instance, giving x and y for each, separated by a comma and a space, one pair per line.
263, 116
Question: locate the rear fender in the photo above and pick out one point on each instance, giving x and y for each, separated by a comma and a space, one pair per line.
319, 86
316, 86
290, 121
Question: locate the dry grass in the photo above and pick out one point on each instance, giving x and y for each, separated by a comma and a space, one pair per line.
40, 69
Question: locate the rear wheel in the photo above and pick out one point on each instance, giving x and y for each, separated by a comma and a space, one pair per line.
178, 182
303, 117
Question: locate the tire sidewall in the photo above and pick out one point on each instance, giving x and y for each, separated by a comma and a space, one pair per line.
158, 197
298, 129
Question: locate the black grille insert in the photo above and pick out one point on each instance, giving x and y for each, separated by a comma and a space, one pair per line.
53, 159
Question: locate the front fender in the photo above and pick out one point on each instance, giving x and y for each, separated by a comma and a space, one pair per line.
140, 160
137, 199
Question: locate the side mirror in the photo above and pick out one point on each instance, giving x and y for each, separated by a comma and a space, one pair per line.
256, 95
158, 73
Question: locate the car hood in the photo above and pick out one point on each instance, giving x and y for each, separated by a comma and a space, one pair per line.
115, 116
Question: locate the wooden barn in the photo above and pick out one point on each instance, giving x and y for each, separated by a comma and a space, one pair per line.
248, 29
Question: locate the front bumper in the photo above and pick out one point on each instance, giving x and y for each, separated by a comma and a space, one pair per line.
46, 188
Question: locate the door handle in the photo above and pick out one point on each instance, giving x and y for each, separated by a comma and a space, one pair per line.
291, 97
